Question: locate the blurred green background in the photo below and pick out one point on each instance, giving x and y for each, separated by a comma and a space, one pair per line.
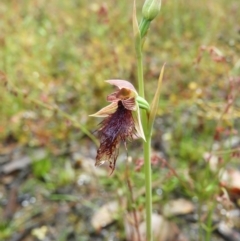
60, 52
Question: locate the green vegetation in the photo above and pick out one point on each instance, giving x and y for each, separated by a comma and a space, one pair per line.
57, 54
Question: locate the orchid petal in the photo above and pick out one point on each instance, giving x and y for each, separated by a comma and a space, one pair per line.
123, 84
130, 104
106, 111
113, 97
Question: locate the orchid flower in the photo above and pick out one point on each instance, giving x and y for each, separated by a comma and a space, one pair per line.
122, 121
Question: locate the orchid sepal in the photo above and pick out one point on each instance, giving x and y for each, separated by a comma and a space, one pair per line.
138, 124
106, 111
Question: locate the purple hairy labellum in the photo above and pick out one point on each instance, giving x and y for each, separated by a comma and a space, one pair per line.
117, 127
122, 122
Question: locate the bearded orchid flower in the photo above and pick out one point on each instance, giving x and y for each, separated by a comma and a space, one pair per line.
122, 121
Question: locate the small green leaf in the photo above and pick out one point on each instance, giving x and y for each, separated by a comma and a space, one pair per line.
154, 105
41, 167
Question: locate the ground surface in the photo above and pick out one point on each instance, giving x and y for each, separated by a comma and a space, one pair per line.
55, 57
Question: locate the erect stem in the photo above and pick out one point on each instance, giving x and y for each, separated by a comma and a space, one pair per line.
146, 144
140, 69
148, 185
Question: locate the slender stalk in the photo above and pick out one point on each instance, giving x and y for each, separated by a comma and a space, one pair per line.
209, 229
136, 223
150, 10
148, 186
140, 69
200, 231
146, 144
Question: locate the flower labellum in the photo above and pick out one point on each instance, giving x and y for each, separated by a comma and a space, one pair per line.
122, 121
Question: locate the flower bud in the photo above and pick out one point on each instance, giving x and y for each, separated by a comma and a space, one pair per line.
150, 9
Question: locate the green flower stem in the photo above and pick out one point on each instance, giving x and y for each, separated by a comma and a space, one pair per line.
146, 144
140, 69
148, 185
